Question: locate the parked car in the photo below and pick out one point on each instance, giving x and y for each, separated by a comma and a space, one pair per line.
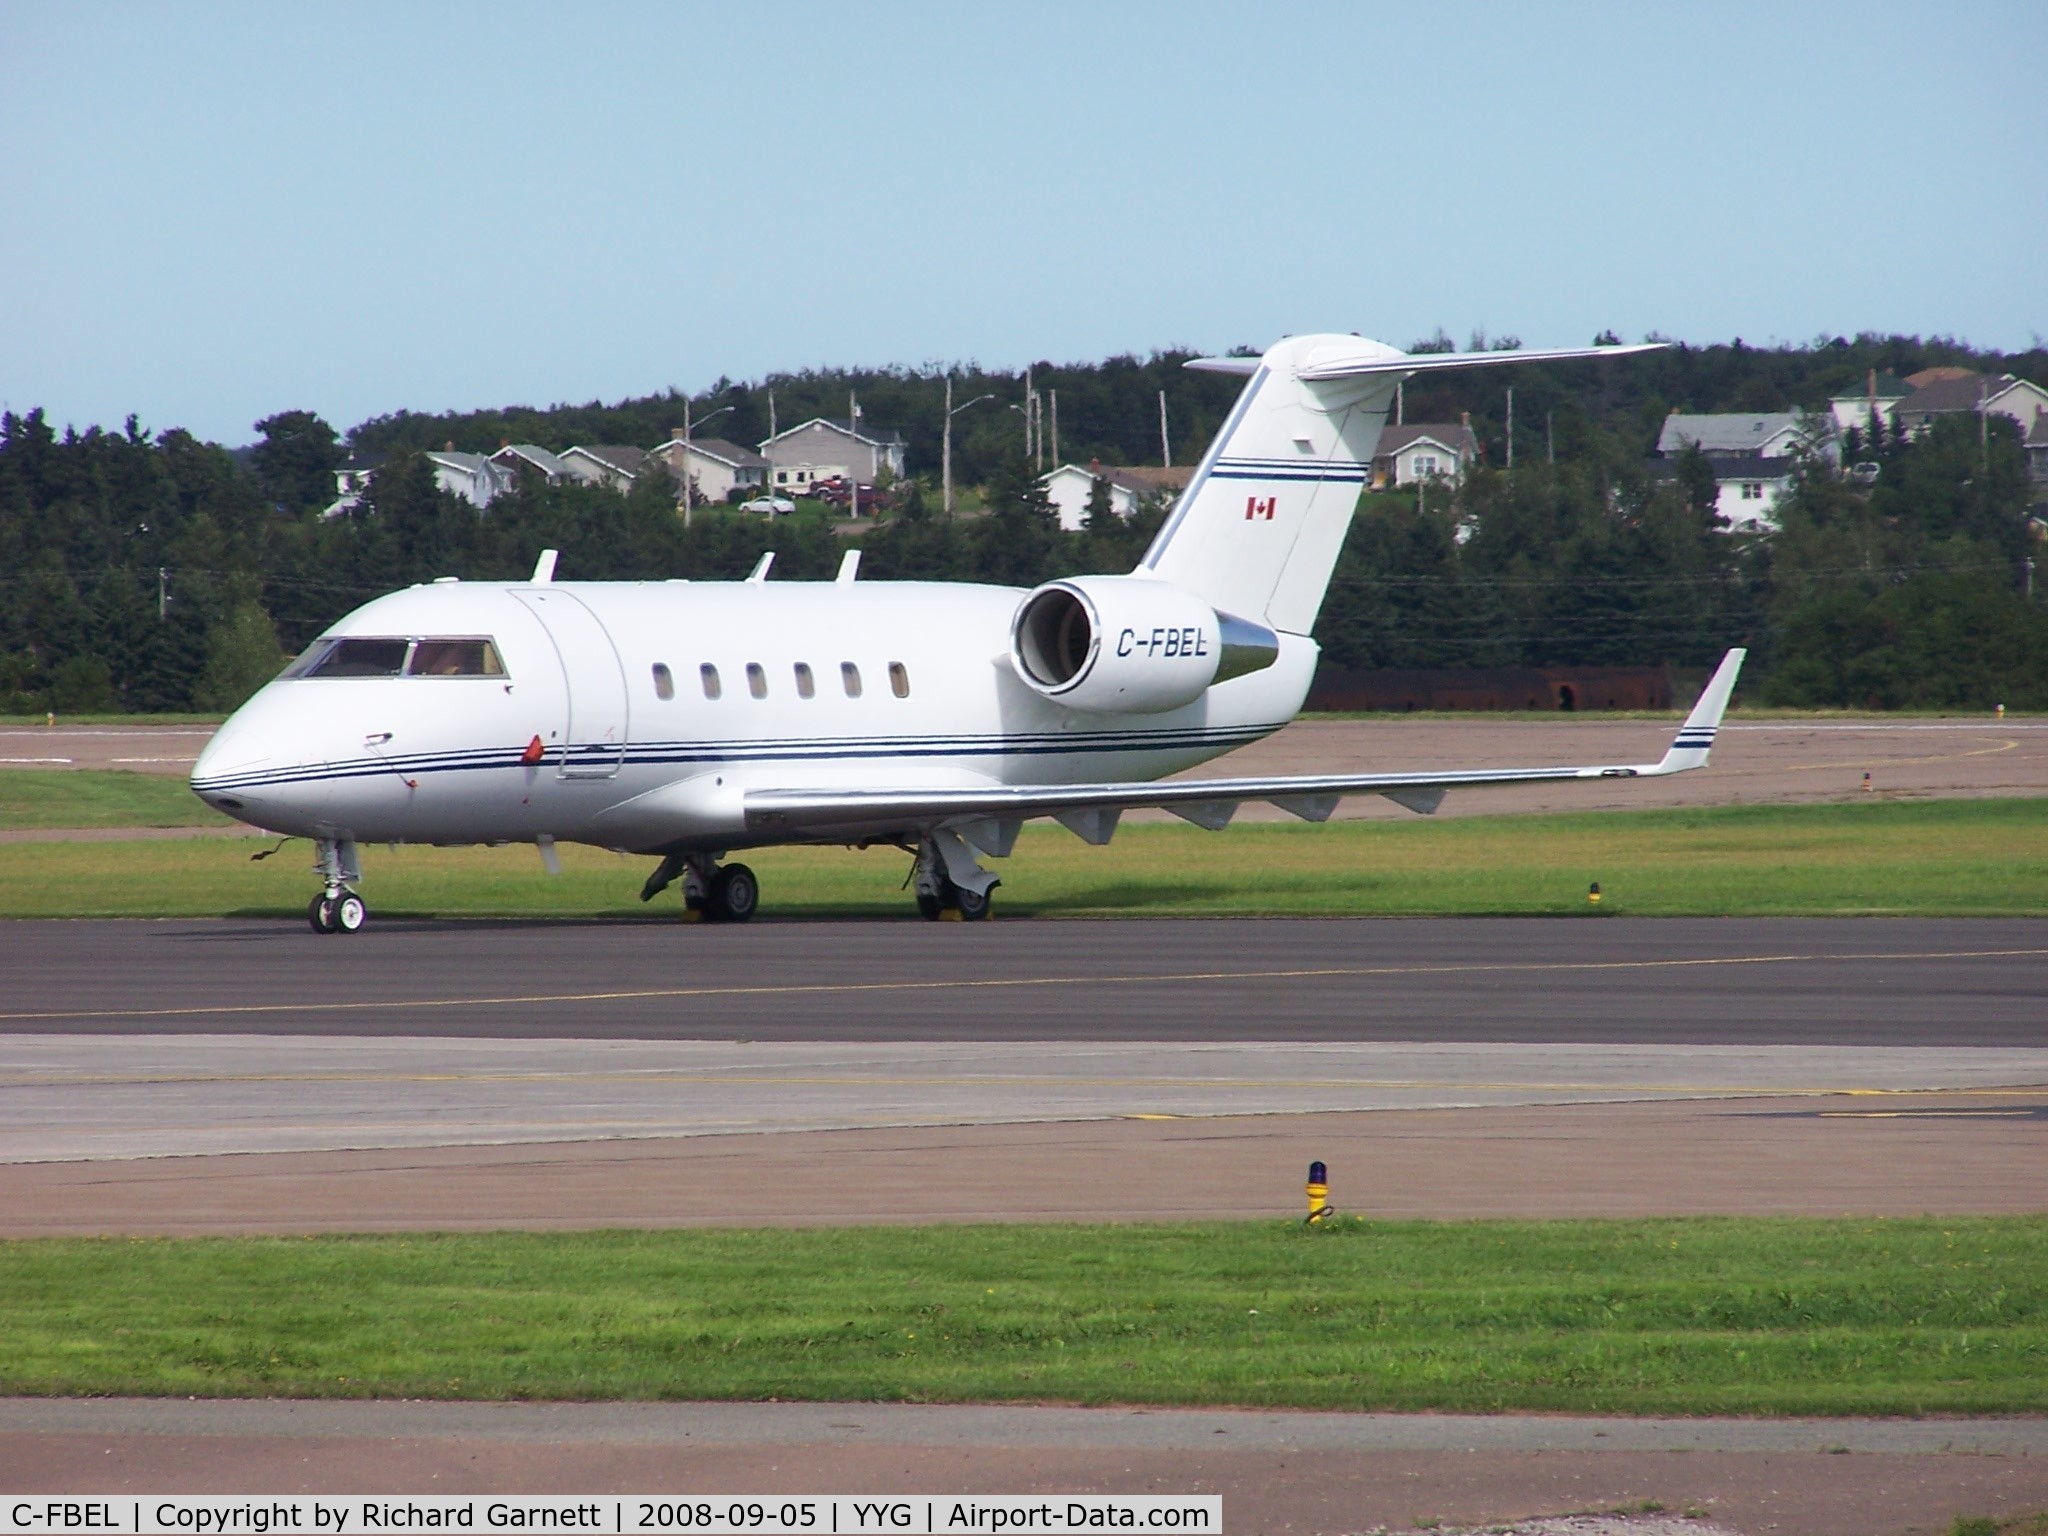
774, 506
839, 493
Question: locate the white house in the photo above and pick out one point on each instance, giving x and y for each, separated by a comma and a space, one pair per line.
1880, 392
531, 458
351, 481
1424, 451
2037, 455
607, 464
1071, 485
1743, 434
715, 466
1958, 392
824, 449
476, 479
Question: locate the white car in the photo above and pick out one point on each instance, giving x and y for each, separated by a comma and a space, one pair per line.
774, 506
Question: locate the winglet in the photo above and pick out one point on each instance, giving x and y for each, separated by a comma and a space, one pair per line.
1695, 738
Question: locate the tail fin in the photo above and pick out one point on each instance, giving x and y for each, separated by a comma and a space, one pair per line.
1259, 528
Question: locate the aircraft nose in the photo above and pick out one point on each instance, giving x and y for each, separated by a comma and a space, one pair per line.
248, 768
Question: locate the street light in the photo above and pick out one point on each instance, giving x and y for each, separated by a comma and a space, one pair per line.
946, 457
689, 489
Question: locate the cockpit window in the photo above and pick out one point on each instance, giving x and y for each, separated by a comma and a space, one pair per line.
360, 656
454, 658
351, 657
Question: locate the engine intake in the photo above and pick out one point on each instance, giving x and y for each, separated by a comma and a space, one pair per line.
1130, 643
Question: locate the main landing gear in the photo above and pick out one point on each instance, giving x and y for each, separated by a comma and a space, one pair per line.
719, 893
337, 909
947, 878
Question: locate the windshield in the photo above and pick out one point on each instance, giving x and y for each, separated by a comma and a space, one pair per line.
363, 656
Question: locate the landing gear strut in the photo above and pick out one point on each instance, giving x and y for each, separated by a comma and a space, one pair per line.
337, 909
722, 893
948, 879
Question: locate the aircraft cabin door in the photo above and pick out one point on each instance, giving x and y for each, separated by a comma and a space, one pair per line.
594, 681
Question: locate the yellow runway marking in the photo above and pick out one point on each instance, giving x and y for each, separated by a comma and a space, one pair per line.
849, 988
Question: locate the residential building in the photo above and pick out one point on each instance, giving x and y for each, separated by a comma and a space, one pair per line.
1880, 392
826, 449
531, 459
1747, 489
1130, 485
1959, 392
715, 466
1424, 451
607, 464
476, 479
1742, 434
351, 481
2037, 454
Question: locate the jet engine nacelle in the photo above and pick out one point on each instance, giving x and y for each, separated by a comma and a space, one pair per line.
1130, 643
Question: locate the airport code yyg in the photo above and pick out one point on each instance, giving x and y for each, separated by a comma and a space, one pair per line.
715, 1515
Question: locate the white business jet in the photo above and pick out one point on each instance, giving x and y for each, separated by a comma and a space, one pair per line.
684, 720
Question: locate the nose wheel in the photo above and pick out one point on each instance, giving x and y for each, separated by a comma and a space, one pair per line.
337, 909
341, 912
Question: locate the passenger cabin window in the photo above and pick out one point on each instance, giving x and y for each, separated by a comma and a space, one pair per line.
757, 680
849, 677
806, 685
470, 657
664, 681
709, 674
899, 680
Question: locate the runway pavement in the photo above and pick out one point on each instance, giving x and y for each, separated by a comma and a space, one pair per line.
1293, 1473
1893, 982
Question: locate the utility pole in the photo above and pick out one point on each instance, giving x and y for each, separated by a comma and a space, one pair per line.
1511, 428
1550, 436
853, 480
689, 489
1028, 397
771, 413
1055, 428
1400, 400
163, 600
1165, 447
946, 453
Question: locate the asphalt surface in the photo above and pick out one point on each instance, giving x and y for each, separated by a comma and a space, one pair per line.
1903, 982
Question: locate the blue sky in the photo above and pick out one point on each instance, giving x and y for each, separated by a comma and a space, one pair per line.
214, 212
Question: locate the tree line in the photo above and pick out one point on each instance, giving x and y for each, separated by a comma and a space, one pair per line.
154, 571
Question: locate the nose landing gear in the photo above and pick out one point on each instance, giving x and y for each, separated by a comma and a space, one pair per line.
337, 909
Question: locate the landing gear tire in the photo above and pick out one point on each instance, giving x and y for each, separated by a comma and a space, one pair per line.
973, 905
350, 913
321, 914
733, 896
929, 906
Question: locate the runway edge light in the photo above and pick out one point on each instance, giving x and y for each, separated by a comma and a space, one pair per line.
1318, 1192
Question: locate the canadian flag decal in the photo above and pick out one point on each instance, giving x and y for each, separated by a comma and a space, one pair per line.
1256, 507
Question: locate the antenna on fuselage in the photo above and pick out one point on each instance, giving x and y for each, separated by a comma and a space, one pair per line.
759, 575
544, 568
849, 567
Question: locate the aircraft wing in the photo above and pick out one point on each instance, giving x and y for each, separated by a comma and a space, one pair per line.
1378, 361
1091, 809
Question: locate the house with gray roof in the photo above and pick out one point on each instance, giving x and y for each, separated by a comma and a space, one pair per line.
531, 459
1957, 392
825, 448
607, 464
1738, 434
714, 466
1880, 392
476, 479
1424, 450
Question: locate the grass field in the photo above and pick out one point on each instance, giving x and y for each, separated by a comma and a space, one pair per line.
1681, 1316
94, 797
1964, 857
